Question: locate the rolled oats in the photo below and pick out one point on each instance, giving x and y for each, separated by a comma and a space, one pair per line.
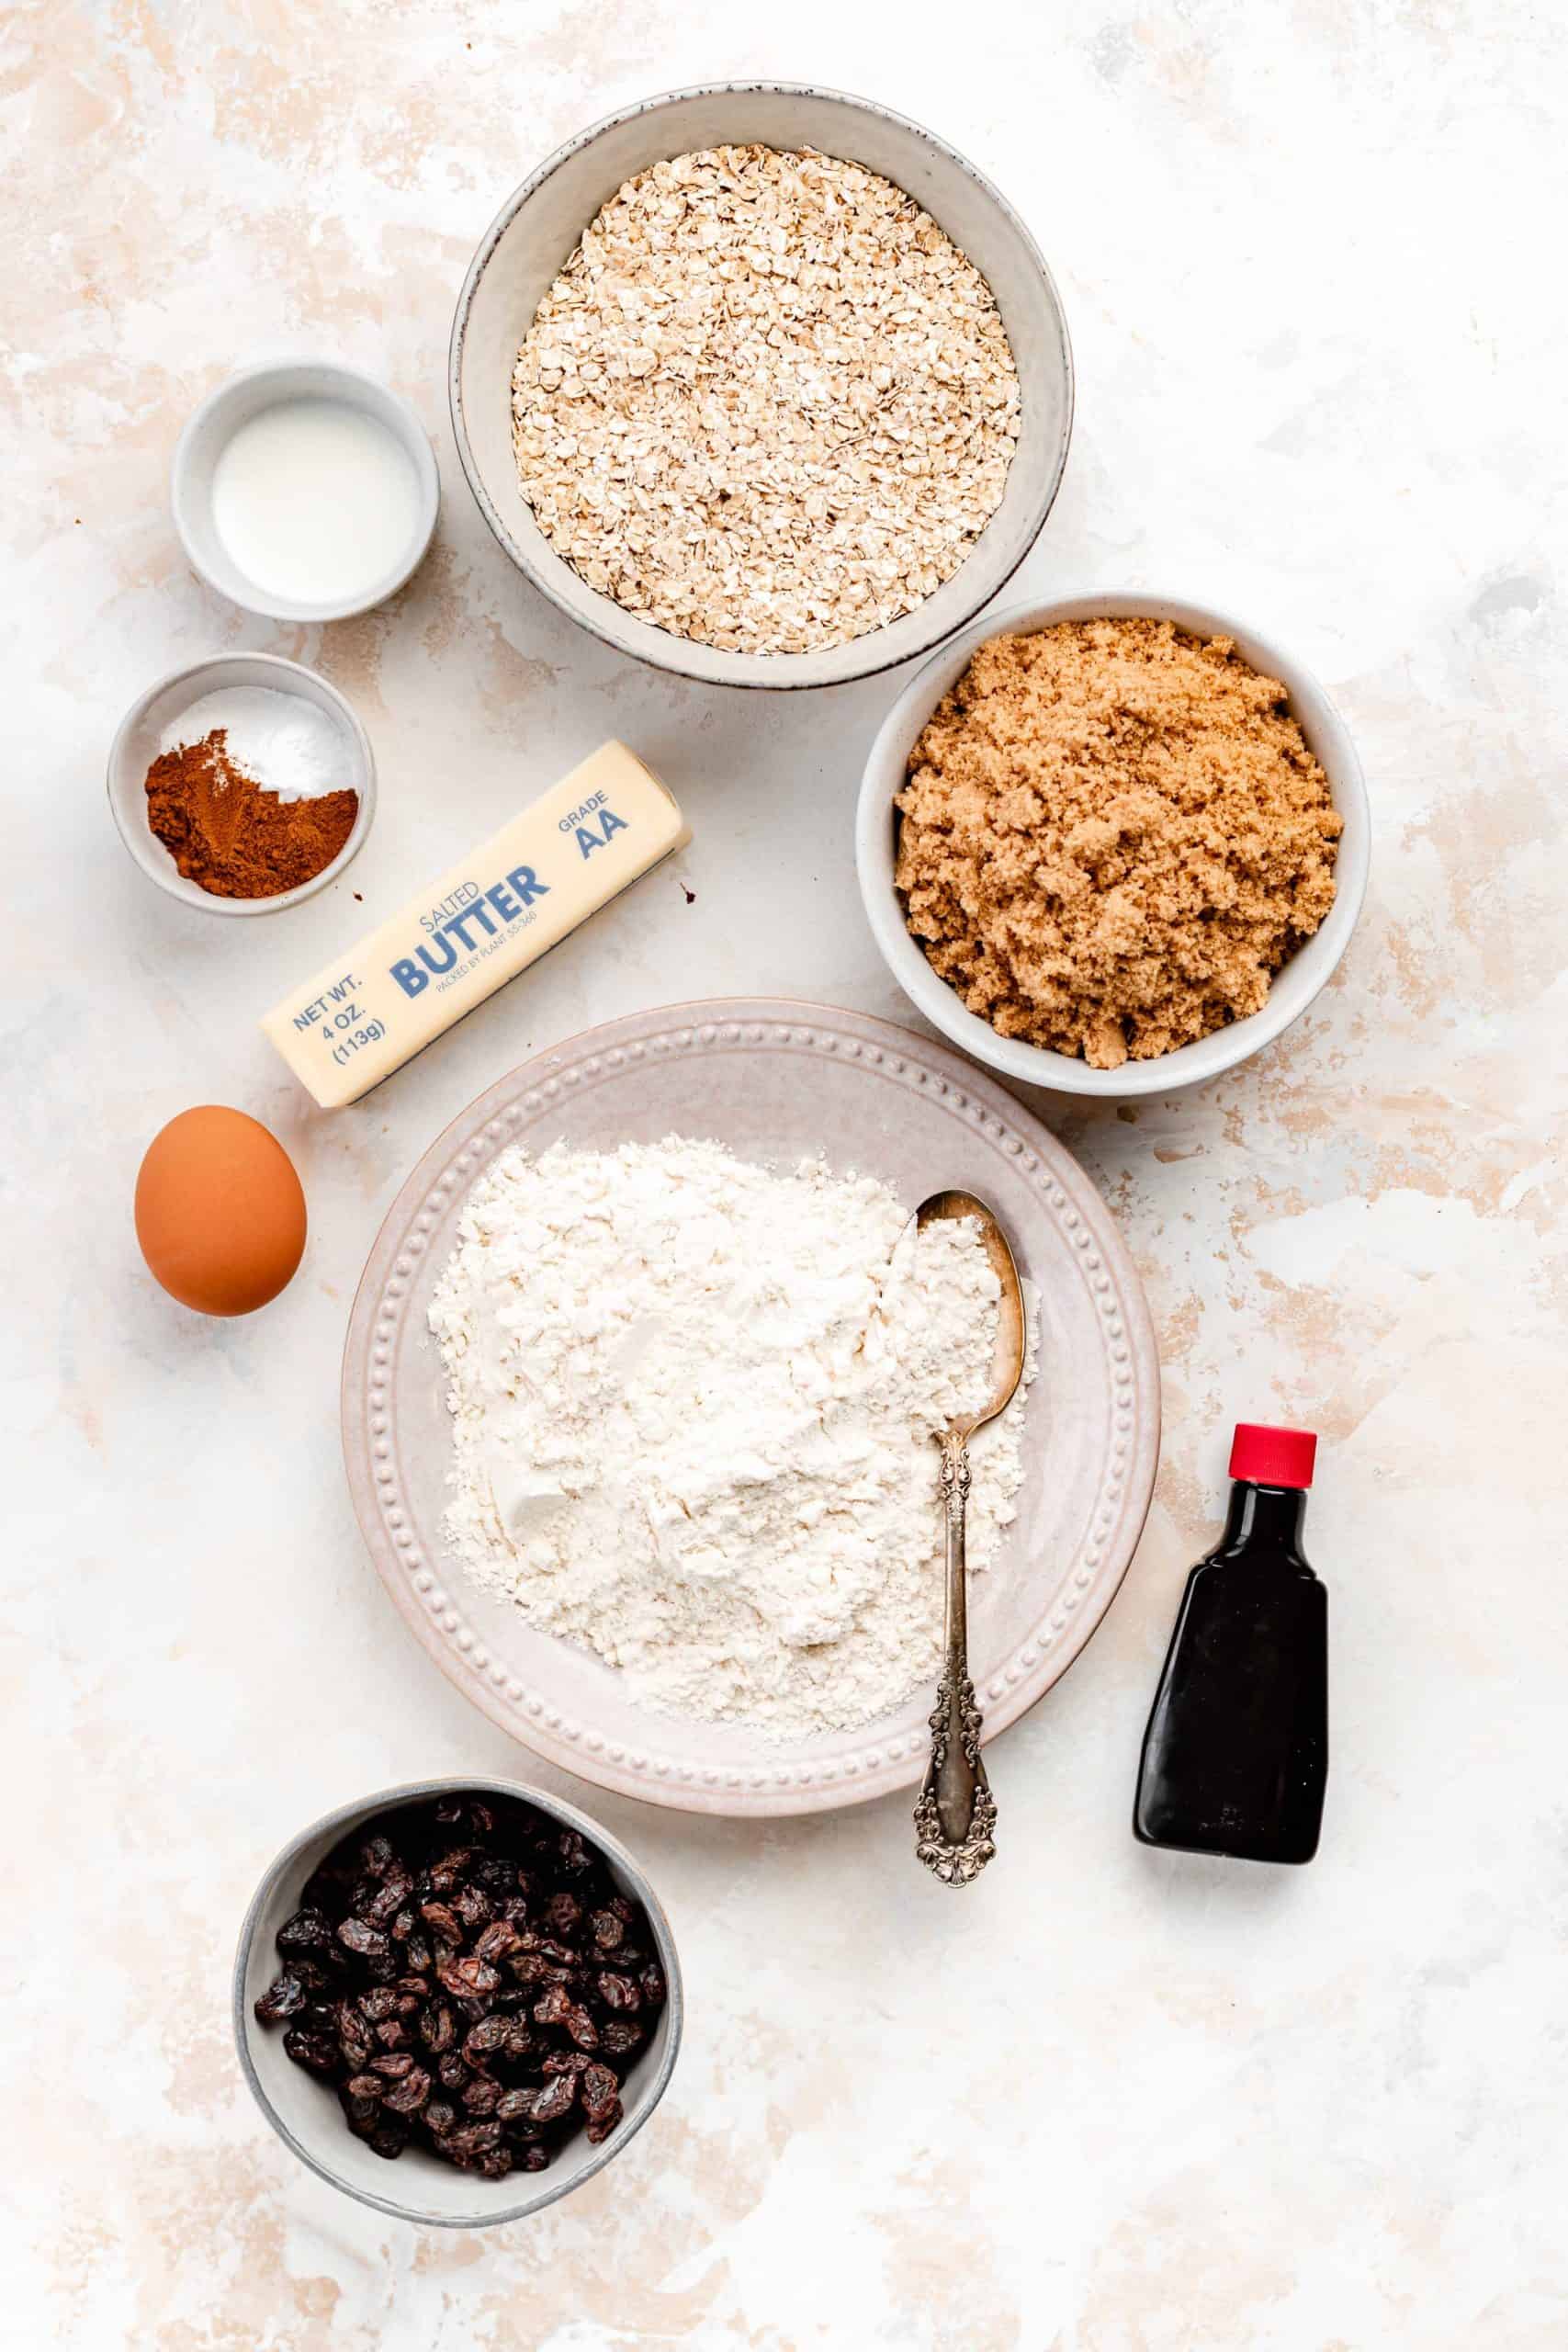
767, 404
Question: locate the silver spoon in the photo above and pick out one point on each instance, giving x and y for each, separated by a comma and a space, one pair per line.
956, 1814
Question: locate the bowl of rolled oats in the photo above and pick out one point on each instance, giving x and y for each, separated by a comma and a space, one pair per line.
765, 385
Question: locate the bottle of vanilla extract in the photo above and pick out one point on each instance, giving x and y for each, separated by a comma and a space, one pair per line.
1236, 1750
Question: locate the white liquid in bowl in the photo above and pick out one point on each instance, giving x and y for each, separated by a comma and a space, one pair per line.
316, 500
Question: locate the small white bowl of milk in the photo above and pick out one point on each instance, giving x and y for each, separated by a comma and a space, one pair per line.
305, 491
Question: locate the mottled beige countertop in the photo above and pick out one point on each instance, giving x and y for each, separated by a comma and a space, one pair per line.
1107, 2100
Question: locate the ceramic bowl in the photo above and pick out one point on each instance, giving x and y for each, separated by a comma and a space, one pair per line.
776, 1081
215, 423
537, 229
304, 2112
1294, 986
137, 743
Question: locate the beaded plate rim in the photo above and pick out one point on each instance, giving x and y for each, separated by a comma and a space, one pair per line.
652, 1768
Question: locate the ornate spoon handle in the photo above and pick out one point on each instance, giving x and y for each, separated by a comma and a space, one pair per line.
956, 1814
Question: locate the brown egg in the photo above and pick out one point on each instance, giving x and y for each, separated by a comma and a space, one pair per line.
219, 1213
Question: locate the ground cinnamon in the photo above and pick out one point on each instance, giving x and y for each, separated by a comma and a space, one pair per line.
225, 832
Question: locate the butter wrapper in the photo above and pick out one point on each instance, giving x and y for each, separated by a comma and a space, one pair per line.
479, 925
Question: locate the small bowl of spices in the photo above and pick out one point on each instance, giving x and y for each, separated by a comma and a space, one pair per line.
457, 2001
242, 785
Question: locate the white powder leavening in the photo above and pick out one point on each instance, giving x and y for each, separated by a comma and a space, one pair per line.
282, 742
694, 1406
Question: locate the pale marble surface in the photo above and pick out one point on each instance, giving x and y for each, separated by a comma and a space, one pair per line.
1106, 2101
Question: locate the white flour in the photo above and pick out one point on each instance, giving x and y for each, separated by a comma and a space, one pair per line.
693, 1411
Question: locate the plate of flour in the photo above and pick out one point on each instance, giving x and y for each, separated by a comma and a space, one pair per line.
641, 1386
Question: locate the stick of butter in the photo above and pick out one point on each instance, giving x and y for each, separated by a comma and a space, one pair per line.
478, 927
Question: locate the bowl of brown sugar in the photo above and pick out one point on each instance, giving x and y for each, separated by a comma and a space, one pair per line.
1113, 845
242, 785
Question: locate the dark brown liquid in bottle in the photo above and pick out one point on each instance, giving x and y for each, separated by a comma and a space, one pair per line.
1236, 1750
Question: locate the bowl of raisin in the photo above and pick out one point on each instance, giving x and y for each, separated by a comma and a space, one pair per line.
457, 2000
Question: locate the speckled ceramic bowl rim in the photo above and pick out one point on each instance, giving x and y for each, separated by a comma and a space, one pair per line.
155, 861
556, 2183
1296, 985
793, 674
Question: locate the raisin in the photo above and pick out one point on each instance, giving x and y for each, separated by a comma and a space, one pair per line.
409, 2095
437, 2028
556, 2100
472, 1906
389, 2140
480, 2096
601, 2091
439, 2117
452, 2072
490, 2035
563, 1913
653, 1986
620, 2037
317, 2052
599, 2127
582, 2029
607, 1929
376, 1857
446, 1873
393, 2035
380, 2005
494, 2163
443, 1922
394, 2066
418, 1956
496, 1941
365, 2087
284, 1997
394, 1894
353, 2033
468, 1977
531, 2159
617, 1992
472, 2139
357, 1936
308, 1931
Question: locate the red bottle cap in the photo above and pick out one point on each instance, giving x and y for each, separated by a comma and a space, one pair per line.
1271, 1457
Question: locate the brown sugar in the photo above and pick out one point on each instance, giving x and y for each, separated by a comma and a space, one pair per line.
1111, 836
